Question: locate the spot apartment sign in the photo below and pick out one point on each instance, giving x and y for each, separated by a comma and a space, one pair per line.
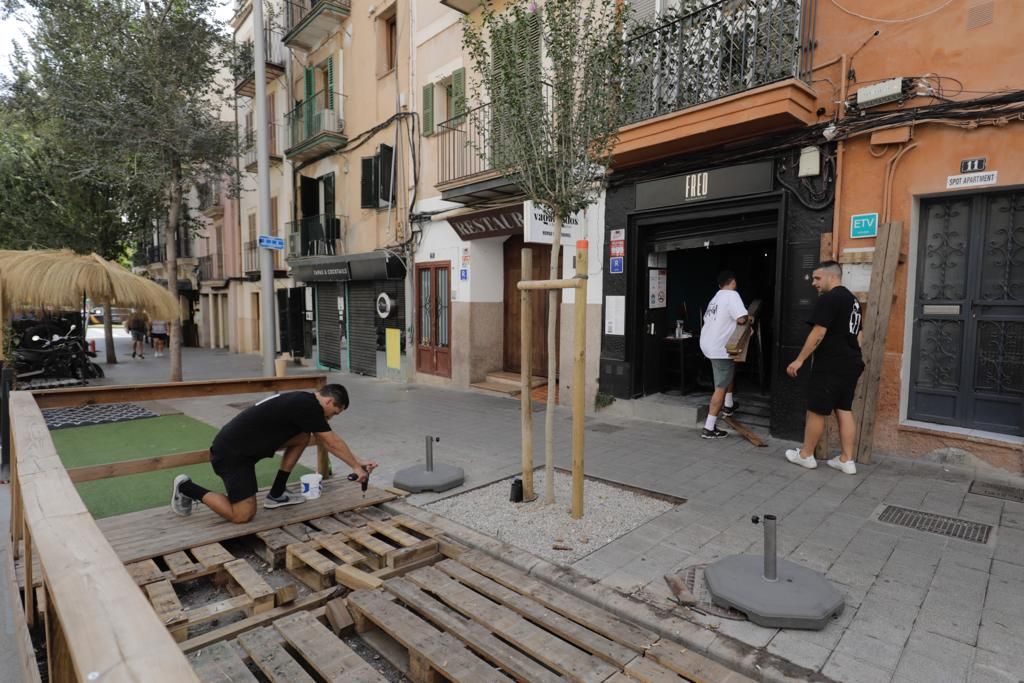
507, 220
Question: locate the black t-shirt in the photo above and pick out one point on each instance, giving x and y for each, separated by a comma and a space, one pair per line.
259, 430
838, 311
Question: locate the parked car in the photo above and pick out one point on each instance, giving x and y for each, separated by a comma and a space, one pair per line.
117, 314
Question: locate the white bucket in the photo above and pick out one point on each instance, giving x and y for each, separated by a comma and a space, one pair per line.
310, 485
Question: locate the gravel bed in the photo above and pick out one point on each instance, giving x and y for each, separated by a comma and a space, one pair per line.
608, 512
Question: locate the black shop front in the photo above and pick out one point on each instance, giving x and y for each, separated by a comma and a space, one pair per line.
669, 231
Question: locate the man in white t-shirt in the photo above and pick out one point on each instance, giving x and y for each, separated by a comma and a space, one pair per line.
724, 311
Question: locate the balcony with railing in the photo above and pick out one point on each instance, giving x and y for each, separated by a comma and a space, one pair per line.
244, 63
251, 255
731, 69
211, 267
465, 159
248, 145
316, 126
319, 235
211, 203
309, 22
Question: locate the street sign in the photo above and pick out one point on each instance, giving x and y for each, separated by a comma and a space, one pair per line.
270, 242
864, 225
615, 264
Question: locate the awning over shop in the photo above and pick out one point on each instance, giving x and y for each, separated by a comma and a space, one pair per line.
373, 265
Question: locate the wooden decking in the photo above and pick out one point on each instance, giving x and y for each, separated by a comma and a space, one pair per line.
149, 533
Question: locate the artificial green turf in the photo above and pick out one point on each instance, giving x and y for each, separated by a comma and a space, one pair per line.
106, 443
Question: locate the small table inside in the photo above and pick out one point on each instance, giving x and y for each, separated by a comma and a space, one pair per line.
683, 349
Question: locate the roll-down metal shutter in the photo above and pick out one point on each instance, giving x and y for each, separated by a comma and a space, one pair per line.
328, 328
363, 327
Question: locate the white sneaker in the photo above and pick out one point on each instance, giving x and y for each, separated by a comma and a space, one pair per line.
793, 455
848, 467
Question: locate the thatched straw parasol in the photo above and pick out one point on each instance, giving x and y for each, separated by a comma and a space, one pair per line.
60, 278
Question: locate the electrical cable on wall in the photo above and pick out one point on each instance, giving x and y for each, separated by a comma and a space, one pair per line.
930, 12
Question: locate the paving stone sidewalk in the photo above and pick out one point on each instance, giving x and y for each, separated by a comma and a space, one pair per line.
920, 607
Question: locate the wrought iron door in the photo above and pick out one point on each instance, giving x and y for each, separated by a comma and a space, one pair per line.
967, 367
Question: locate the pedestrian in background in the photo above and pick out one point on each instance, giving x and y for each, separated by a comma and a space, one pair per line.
158, 331
833, 342
137, 323
725, 310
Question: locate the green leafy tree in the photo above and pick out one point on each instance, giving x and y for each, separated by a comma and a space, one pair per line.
552, 75
136, 84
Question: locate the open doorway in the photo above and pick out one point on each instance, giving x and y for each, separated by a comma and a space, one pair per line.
680, 284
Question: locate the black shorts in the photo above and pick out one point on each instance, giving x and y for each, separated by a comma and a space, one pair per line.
162, 336
833, 389
239, 477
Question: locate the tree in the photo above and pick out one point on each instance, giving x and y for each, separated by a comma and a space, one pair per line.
553, 75
136, 82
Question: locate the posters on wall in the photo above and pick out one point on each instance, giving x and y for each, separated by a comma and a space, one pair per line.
615, 315
657, 288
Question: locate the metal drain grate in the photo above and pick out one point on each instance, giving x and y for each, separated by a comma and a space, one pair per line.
936, 524
985, 488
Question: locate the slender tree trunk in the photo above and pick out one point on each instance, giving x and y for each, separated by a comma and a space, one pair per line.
549, 415
171, 267
108, 333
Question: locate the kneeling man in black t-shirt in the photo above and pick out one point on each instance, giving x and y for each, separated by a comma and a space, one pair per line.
837, 367
291, 421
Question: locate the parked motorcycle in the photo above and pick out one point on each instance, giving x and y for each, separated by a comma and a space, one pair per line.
56, 358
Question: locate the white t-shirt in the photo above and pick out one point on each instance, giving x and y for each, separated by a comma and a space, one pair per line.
724, 309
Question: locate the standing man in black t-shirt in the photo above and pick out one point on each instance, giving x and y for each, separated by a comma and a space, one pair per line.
291, 421
837, 367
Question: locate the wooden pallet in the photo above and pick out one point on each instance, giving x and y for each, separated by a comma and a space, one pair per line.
183, 565
478, 619
250, 594
294, 644
356, 550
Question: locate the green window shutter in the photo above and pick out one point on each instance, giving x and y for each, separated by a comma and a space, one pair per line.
310, 84
330, 83
458, 93
307, 105
428, 109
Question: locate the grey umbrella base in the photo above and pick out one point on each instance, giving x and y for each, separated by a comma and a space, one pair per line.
418, 478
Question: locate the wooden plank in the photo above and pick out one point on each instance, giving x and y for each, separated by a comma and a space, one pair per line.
443, 652
391, 532
338, 616
168, 608
145, 572
216, 610
563, 657
271, 546
150, 533
299, 531
329, 525
336, 546
876, 319
179, 564
309, 566
421, 528
475, 636
83, 396
212, 556
126, 467
415, 553
252, 584
374, 514
285, 594
266, 649
327, 654
219, 663
356, 579
580, 636
742, 430
371, 543
566, 604
648, 671
691, 665
398, 492
232, 630
352, 519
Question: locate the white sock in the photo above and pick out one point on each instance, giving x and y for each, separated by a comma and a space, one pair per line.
728, 400
709, 424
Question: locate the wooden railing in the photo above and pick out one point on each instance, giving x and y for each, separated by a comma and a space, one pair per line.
98, 625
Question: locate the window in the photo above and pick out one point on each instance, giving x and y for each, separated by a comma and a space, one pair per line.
387, 40
391, 58
444, 100
376, 191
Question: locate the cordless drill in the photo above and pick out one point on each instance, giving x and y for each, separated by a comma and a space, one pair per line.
366, 482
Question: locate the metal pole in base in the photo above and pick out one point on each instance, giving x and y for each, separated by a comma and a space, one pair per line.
430, 452
770, 573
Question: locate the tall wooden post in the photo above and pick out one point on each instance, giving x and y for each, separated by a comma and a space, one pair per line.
579, 378
526, 373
